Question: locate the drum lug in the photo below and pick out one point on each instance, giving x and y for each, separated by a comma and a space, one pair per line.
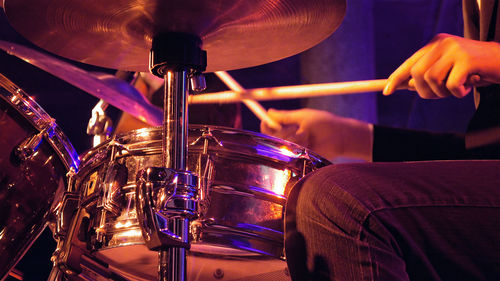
66, 257
206, 171
162, 197
69, 205
111, 192
29, 147
306, 159
206, 136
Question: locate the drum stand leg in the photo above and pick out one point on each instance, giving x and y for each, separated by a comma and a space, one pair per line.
166, 197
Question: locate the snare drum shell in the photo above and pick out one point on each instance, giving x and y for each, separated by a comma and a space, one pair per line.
243, 222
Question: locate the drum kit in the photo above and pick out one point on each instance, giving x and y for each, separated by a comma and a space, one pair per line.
159, 203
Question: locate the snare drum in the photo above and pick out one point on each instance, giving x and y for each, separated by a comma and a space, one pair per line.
34, 158
239, 235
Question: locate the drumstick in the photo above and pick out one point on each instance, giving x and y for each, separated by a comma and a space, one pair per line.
294, 92
254, 106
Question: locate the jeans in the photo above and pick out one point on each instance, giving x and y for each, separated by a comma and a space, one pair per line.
436, 220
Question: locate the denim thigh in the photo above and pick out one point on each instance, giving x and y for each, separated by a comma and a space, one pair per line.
435, 220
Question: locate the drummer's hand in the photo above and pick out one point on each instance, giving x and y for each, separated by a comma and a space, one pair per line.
326, 134
448, 65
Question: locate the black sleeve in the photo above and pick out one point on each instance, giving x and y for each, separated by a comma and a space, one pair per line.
391, 144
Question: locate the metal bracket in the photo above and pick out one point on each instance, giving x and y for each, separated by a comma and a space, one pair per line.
29, 147
163, 194
176, 50
100, 126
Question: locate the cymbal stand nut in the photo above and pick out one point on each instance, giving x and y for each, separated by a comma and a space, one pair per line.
198, 82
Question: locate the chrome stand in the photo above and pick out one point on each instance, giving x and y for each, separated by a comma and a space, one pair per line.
172, 261
167, 196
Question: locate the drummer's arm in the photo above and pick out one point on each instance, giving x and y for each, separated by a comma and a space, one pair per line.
447, 66
327, 134
334, 136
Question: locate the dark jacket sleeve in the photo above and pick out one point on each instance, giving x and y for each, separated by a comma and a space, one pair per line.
391, 144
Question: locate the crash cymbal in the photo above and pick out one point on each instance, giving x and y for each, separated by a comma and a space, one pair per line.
118, 33
104, 86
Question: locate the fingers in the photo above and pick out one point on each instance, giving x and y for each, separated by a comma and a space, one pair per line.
426, 80
290, 133
292, 125
265, 129
402, 74
288, 118
440, 69
458, 79
285, 132
436, 77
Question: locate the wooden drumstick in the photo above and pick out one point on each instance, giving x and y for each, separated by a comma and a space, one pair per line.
293, 92
254, 106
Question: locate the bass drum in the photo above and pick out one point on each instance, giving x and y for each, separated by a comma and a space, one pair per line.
34, 158
239, 235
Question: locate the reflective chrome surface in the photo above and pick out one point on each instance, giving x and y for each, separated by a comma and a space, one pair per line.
103, 86
242, 221
34, 158
118, 33
38, 118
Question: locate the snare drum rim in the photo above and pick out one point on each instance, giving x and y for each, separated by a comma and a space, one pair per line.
38, 118
271, 145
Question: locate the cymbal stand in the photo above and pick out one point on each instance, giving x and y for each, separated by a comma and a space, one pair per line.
166, 197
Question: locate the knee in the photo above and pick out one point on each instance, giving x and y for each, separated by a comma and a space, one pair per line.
330, 196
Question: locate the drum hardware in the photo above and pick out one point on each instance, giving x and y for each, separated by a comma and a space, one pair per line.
163, 194
164, 217
306, 158
42, 156
90, 270
29, 147
110, 189
65, 214
246, 176
100, 126
66, 208
166, 197
174, 56
198, 82
71, 258
206, 170
206, 136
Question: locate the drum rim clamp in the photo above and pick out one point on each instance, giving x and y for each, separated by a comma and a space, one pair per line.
162, 193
